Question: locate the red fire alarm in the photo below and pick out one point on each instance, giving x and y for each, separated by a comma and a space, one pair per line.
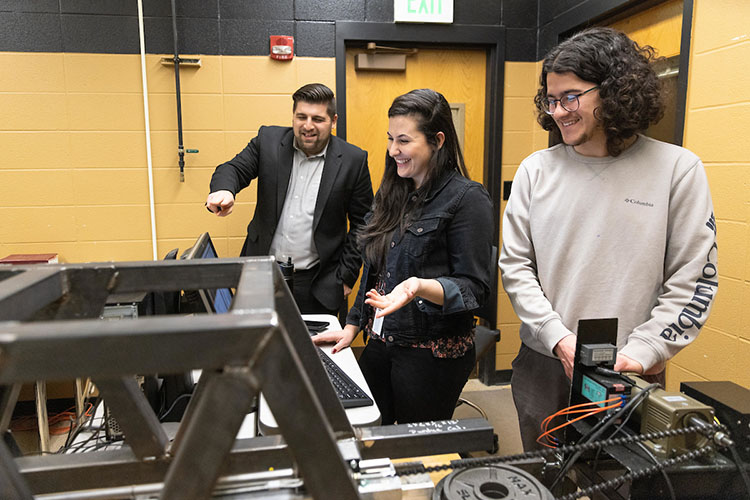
282, 47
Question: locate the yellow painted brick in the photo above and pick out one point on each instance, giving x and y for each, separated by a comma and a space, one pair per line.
164, 245
711, 355
676, 374
729, 190
238, 220
210, 146
509, 172
505, 313
34, 150
519, 114
205, 79
187, 220
516, 147
29, 188
521, 79
316, 70
111, 186
732, 238
744, 332
31, 72
718, 23
118, 112
724, 69
105, 73
541, 138
252, 111
249, 195
103, 251
510, 341
234, 142
199, 112
108, 149
709, 136
168, 189
258, 75
37, 224
33, 112
726, 312
234, 246
113, 223
742, 374
503, 361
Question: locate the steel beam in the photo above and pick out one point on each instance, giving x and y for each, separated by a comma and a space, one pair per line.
142, 430
210, 435
23, 294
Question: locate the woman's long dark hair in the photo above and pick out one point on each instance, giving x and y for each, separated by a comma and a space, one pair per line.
393, 206
630, 91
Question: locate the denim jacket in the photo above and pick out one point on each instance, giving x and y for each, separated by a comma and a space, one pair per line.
451, 242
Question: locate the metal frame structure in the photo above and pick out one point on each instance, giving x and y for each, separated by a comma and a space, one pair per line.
50, 329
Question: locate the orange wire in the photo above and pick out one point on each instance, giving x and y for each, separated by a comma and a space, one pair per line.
544, 426
566, 411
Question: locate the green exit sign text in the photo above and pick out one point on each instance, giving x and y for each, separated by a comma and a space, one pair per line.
423, 11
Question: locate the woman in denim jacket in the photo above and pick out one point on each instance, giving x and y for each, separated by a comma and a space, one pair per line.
427, 247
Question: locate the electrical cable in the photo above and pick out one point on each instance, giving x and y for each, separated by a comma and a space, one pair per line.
174, 403
634, 401
587, 413
616, 481
740, 467
410, 468
625, 419
619, 427
544, 426
664, 474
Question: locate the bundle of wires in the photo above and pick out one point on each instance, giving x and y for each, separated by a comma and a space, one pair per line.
599, 429
59, 423
585, 409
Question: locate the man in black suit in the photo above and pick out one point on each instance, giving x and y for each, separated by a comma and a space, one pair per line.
309, 183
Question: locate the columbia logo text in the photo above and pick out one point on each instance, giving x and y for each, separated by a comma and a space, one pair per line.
633, 201
692, 315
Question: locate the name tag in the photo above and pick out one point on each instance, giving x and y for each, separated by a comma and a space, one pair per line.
377, 323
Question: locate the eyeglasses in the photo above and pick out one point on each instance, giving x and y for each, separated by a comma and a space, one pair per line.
568, 102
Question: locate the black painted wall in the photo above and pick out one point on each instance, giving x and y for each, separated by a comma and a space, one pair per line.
230, 27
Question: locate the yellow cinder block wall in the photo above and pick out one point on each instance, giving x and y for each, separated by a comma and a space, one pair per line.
717, 124
73, 163
521, 136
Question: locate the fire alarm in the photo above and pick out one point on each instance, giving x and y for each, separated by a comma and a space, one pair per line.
282, 47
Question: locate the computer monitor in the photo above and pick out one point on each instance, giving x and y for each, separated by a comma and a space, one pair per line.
212, 300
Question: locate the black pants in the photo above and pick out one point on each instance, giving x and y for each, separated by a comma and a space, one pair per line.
302, 291
540, 388
411, 385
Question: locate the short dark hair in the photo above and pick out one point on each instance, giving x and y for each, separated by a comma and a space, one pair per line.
630, 91
315, 93
394, 205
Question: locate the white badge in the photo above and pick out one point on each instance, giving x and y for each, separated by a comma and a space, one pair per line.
377, 323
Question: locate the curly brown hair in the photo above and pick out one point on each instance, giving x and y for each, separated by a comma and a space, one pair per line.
630, 91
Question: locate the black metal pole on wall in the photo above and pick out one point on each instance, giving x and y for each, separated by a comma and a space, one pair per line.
180, 146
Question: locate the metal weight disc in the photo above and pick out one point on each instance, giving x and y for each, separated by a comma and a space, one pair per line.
490, 482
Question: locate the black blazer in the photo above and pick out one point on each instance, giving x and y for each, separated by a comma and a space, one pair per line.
345, 192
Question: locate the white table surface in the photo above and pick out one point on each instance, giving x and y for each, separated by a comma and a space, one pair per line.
362, 416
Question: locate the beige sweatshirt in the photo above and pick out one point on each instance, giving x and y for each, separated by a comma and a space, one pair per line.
631, 237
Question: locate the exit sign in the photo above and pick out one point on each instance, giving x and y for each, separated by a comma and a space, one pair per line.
423, 11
